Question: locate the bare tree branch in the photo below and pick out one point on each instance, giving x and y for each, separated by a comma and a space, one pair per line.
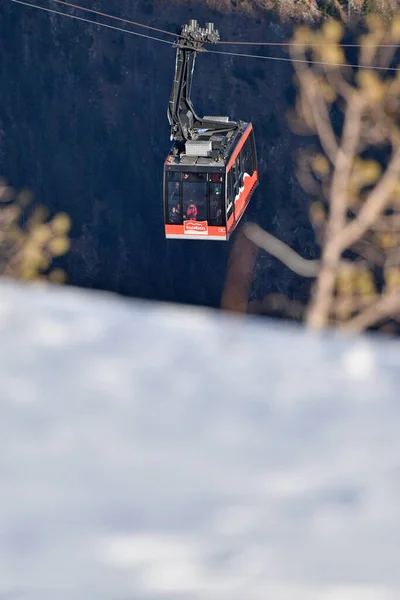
320, 307
318, 108
338, 82
277, 248
382, 308
374, 205
340, 9
367, 250
343, 165
356, 210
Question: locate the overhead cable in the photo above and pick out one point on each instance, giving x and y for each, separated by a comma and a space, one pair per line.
290, 43
175, 35
56, 12
258, 56
299, 60
129, 22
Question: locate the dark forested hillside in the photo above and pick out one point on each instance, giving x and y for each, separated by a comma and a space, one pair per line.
83, 124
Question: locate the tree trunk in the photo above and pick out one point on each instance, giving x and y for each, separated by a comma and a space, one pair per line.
235, 296
321, 304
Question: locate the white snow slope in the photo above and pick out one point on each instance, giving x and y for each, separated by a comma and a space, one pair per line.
151, 452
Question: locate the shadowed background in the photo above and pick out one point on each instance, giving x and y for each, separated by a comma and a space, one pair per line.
83, 124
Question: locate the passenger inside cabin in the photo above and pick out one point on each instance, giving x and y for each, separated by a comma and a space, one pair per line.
174, 215
191, 213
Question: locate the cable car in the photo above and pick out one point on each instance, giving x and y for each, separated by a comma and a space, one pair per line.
210, 173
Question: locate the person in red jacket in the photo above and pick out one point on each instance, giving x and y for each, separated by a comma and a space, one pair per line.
191, 213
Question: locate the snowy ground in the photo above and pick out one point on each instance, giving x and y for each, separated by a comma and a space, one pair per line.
150, 452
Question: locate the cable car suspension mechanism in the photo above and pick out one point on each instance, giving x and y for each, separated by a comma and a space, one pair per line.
186, 125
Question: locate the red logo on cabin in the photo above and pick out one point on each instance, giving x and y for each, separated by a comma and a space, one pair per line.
195, 227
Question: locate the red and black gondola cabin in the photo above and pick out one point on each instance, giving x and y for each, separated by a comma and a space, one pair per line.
210, 173
204, 198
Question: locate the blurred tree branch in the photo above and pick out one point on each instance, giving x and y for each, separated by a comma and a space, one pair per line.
355, 181
290, 258
28, 244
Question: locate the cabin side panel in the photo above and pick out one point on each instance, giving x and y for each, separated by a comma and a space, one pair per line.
242, 178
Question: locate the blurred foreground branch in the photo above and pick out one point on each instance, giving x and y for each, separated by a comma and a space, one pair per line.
277, 248
355, 180
28, 244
